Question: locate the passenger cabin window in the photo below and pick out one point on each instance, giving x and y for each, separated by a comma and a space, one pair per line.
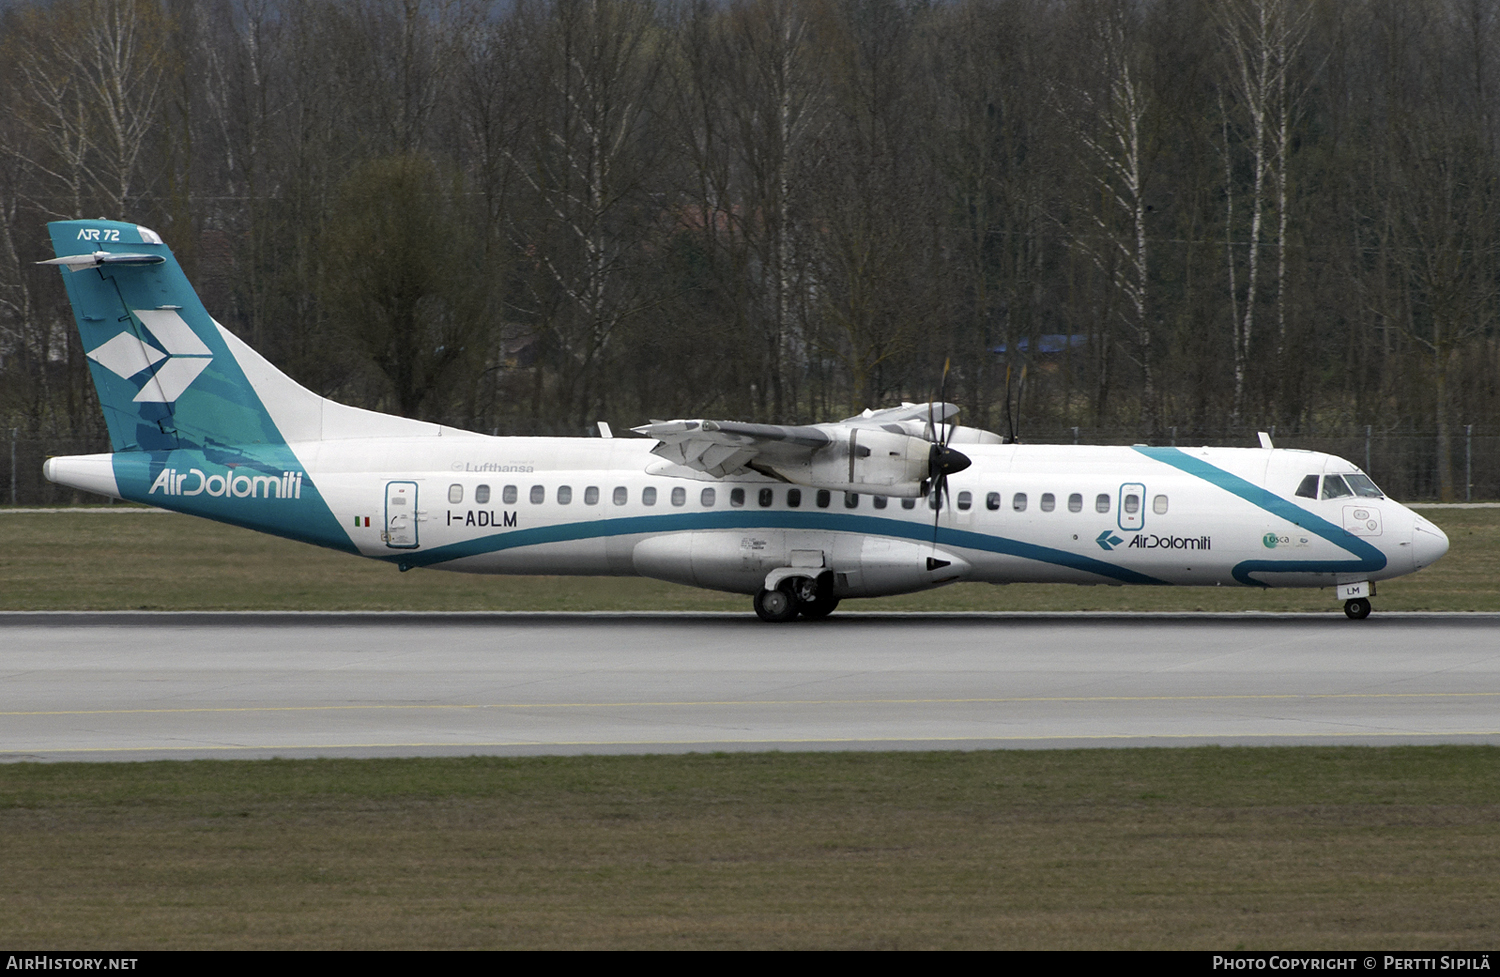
565, 495
538, 495
737, 497
992, 501
851, 500
1132, 504
707, 498
1075, 502
879, 501
824, 498
591, 495
1334, 487
455, 494
934, 500
793, 498
1101, 503
1309, 487
679, 496
508, 495
1049, 502
621, 495
1018, 502
1159, 505
765, 497
965, 501
908, 503
648, 495
481, 494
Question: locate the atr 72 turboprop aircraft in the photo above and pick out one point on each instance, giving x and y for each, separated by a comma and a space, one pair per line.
798, 516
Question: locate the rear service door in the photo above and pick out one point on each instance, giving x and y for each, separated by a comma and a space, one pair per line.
401, 515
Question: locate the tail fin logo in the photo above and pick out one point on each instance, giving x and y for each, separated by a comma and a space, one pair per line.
128, 356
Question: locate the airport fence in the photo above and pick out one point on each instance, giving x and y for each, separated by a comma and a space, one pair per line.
1404, 465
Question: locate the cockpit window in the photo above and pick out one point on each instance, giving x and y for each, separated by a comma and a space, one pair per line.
1363, 486
1309, 487
1334, 487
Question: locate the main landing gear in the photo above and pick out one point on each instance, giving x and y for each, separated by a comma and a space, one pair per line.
810, 598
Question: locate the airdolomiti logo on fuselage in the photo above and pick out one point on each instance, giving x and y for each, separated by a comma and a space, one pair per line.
1150, 541
287, 485
1107, 541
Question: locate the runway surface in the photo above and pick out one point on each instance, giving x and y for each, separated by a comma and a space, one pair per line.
153, 686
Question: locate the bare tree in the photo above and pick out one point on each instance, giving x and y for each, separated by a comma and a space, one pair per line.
1262, 38
1109, 122
777, 108
587, 167
93, 72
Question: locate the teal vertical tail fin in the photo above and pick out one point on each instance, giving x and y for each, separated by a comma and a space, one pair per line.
166, 376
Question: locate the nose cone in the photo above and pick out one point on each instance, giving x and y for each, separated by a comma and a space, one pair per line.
1428, 543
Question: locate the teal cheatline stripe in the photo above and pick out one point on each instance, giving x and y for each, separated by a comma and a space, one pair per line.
749, 519
1369, 558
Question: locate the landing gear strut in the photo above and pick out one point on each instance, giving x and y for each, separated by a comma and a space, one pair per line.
1358, 608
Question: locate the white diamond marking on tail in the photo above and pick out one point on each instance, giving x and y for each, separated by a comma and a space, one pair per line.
186, 356
173, 332
126, 356
172, 379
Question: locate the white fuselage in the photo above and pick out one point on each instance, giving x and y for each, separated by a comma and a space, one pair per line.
1042, 513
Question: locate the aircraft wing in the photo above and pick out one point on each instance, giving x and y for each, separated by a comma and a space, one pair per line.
934, 412
889, 452
725, 448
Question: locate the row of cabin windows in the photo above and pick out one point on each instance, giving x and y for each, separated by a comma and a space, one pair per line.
1048, 502
822, 498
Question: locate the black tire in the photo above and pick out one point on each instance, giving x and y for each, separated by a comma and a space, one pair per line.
775, 606
1357, 608
818, 609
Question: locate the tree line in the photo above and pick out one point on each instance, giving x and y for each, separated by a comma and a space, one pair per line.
1133, 217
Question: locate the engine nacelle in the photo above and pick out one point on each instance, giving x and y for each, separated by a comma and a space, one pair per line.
863, 460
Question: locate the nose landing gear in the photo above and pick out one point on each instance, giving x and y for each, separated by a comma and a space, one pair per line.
1356, 598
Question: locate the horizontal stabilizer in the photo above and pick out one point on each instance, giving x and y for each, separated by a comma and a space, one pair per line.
83, 262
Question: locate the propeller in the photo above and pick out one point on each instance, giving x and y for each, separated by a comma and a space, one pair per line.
1013, 420
942, 460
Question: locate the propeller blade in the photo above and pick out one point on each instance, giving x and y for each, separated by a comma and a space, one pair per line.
942, 461
943, 399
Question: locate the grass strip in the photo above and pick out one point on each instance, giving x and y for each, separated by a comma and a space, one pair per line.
77, 561
1208, 848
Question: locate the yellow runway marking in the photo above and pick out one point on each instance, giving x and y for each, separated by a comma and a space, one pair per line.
765, 702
